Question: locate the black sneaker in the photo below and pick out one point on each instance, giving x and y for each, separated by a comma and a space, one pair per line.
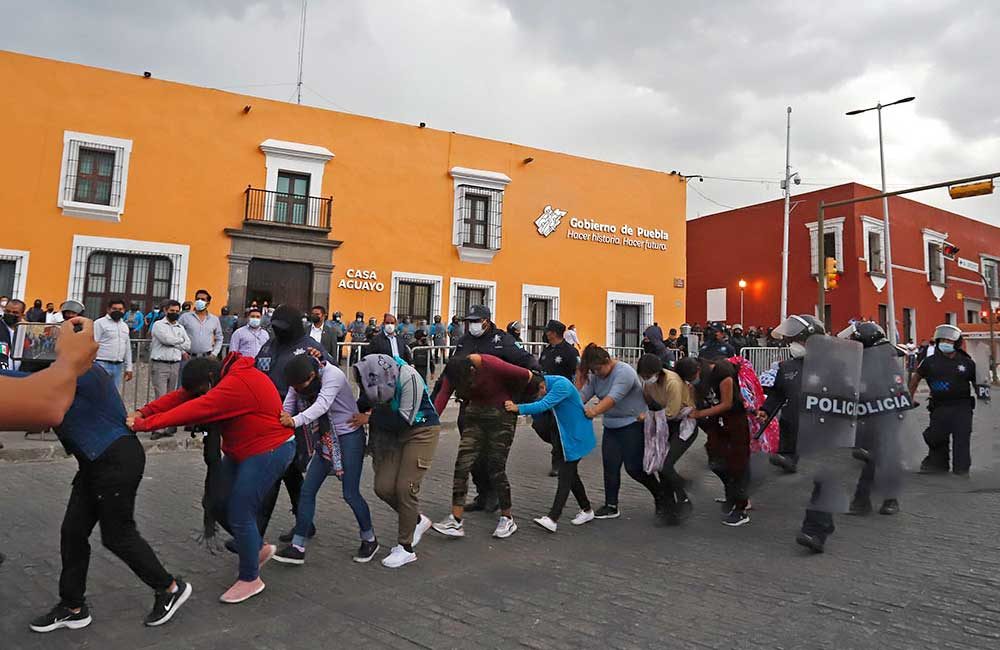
860, 506
787, 463
287, 537
736, 518
166, 604
290, 555
157, 435
859, 453
684, 509
811, 542
929, 467
607, 512
477, 505
366, 551
61, 617
889, 507
554, 471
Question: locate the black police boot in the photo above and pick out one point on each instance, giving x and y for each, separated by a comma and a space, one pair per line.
787, 463
889, 507
814, 543
860, 506
928, 466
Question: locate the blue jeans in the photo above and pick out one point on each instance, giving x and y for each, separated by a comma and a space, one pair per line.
244, 486
625, 446
115, 370
352, 447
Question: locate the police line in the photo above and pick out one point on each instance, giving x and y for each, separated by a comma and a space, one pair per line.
850, 408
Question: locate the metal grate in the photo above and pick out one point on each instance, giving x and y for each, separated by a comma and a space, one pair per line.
479, 211
89, 167
288, 209
94, 261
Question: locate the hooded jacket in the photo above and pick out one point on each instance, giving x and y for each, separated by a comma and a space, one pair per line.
576, 430
245, 404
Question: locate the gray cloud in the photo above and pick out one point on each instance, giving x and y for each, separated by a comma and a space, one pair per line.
699, 87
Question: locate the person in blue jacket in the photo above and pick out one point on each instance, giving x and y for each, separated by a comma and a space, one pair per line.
575, 440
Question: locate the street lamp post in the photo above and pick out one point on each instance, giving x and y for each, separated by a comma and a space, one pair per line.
885, 215
743, 285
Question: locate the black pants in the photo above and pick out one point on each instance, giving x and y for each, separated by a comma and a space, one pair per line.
950, 422
787, 439
547, 429
728, 449
817, 523
104, 491
625, 446
569, 481
671, 482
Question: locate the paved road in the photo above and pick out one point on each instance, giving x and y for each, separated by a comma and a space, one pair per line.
928, 578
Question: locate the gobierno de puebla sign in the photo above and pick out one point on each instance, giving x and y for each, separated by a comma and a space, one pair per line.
589, 230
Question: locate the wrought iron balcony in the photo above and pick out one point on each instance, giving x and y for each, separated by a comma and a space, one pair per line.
295, 210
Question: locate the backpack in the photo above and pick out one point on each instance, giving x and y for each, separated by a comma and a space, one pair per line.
752, 394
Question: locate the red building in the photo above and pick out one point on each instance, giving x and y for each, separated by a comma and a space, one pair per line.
745, 244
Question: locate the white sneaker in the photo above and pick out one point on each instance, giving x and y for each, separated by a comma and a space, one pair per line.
450, 527
547, 523
583, 517
505, 528
398, 556
422, 527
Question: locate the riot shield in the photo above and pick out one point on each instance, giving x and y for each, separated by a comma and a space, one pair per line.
882, 408
831, 378
980, 353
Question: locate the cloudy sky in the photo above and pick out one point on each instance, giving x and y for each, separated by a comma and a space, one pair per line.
700, 87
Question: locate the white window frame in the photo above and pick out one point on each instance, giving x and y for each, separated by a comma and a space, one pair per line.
436, 280
872, 225
951, 318
615, 298
488, 180
76, 286
20, 259
991, 260
542, 292
295, 157
939, 238
491, 294
966, 303
836, 226
71, 208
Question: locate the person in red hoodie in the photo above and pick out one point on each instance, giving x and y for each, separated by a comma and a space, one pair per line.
257, 448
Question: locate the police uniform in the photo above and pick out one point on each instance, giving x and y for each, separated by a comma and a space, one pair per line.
787, 390
714, 349
951, 405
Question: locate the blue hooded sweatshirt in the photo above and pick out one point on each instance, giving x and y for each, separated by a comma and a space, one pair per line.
576, 430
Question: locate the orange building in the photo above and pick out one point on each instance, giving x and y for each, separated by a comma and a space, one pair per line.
120, 185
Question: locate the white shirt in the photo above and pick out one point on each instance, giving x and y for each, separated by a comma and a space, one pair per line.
53, 318
572, 338
14, 363
316, 333
113, 341
394, 345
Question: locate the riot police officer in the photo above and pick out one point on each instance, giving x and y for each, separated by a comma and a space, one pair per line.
951, 374
874, 441
716, 346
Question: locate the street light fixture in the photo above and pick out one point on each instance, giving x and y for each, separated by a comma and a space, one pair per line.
743, 285
885, 216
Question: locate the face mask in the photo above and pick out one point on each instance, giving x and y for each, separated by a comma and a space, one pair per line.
316, 319
172, 317
651, 380
476, 329
389, 328
200, 305
361, 319
156, 310
797, 349
336, 318
10, 319
116, 315
254, 322
695, 382
946, 348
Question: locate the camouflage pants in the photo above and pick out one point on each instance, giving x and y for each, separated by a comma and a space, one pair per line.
488, 432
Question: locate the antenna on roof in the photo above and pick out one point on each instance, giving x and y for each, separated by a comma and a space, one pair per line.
302, 49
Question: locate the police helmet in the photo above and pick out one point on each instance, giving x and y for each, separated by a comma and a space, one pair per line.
866, 333
72, 306
947, 332
798, 326
514, 327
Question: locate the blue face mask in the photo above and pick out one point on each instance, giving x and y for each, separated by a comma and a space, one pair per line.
695, 381
945, 347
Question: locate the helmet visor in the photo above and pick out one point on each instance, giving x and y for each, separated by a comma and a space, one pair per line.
947, 332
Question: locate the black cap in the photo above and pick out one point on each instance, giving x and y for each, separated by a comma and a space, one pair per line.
555, 326
286, 317
479, 312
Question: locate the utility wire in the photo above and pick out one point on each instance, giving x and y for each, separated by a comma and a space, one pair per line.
710, 200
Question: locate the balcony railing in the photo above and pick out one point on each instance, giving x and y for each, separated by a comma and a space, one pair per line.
266, 206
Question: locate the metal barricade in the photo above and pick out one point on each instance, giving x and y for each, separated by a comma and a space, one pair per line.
629, 355
534, 347
763, 358
353, 351
437, 357
139, 391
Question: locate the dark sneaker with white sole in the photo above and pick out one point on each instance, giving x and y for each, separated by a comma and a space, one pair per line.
290, 555
736, 518
61, 617
607, 512
889, 507
166, 603
366, 551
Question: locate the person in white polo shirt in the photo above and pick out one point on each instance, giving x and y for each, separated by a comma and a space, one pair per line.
114, 349
170, 341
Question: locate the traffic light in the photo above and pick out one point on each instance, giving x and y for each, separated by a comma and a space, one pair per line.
950, 251
832, 276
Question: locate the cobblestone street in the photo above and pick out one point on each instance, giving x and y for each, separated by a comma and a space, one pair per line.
927, 578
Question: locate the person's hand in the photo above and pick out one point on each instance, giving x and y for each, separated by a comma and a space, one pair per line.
359, 420
589, 412
316, 354
185, 356
76, 347
695, 414
510, 406
287, 420
130, 421
642, 417
128, 375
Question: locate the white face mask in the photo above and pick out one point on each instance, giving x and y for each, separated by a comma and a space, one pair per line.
797, 349
476, 329
389, 328
651, 380
254, 322
200, 305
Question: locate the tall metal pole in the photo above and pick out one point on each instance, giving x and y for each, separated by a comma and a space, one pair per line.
820, 264
893, 338
741, 306
788, 194
302, 50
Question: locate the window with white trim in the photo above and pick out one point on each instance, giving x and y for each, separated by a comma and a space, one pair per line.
539, 305
972, 312
13, 272
833, 242
874, 241
934, 256
465, 293
416, 295
93, 175
629, 314
990, 268
478, 213
148, 271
